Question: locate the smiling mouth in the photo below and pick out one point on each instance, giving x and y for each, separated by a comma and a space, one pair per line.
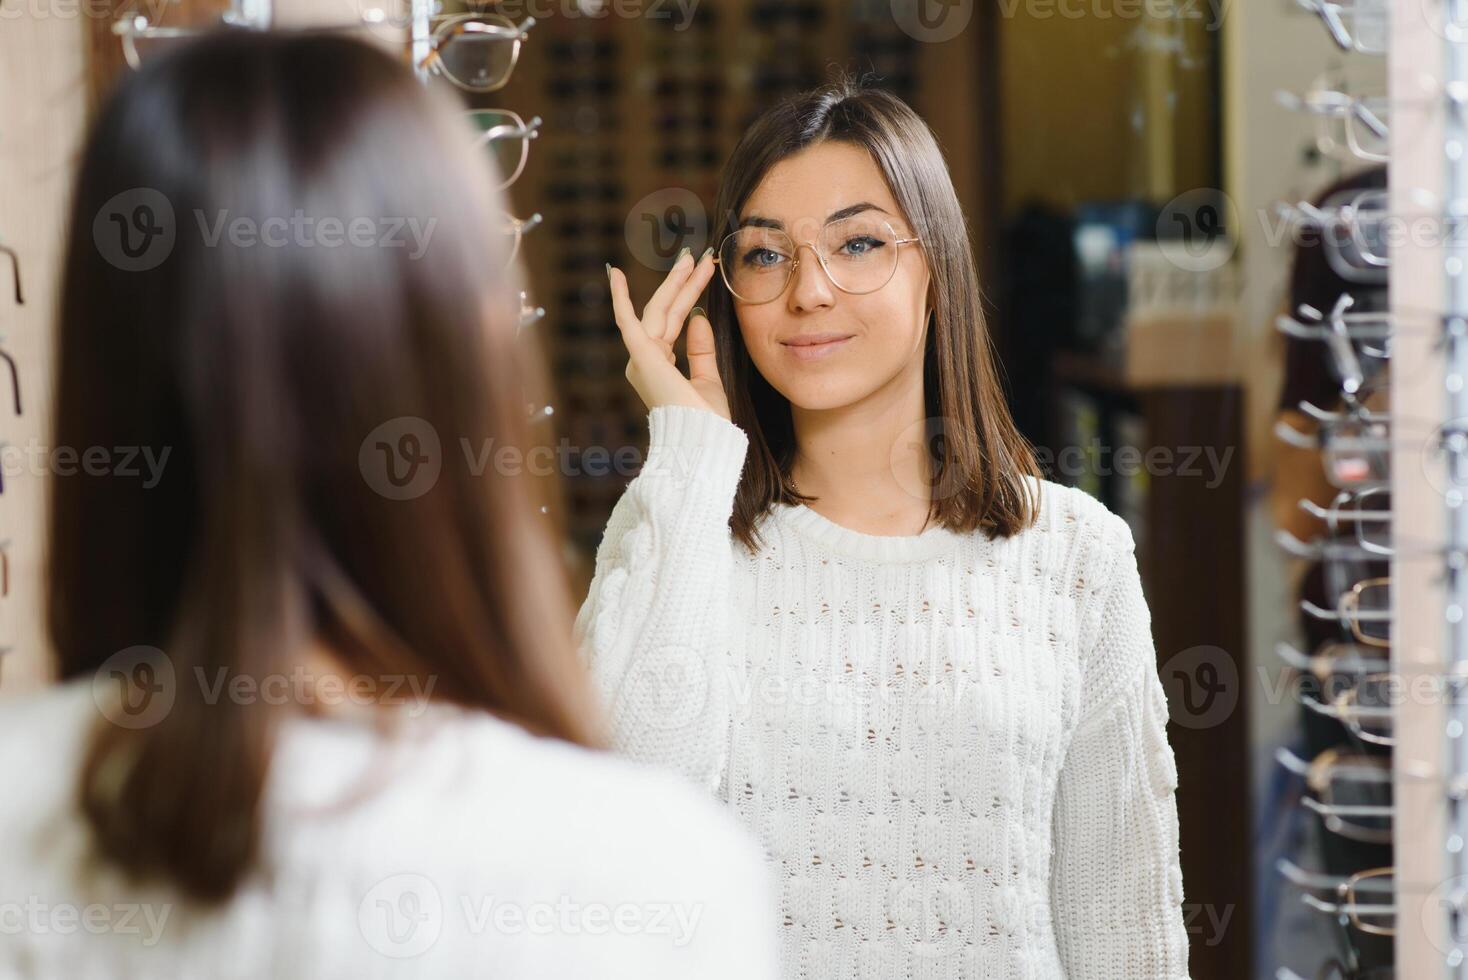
806, 350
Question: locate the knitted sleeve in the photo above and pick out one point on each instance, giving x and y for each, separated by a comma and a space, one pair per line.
653, 631
1116, 880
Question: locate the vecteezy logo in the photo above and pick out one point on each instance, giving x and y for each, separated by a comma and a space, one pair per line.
387, 19
664, 223
674, 685
135, 230
401, 916
1446, 20
930, 481
1194, 230
1436, 449
134, 688
401, 459
1202, 685
932, 21
932, 913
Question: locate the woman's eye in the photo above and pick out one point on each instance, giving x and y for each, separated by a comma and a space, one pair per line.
762, 258
861, 245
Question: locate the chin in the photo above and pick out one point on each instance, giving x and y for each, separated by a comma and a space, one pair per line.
820, 395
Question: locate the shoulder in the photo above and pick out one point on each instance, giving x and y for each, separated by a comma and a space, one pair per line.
1083, 527
43, 742
42, 739
519, 807
496, 822
467, 811
1091, 553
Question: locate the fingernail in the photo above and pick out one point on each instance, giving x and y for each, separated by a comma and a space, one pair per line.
683, 255
706, 253
698, 310
609, 268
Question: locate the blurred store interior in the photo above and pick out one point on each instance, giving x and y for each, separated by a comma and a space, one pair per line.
1122, 166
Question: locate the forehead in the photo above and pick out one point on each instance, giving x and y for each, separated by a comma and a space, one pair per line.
810, 185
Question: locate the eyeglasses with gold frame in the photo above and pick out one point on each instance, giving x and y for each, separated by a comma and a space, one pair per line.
863, 277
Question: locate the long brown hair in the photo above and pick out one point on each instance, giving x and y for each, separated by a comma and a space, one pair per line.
263, 370
979, 458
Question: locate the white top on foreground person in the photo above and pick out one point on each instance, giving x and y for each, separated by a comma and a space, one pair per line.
465, 847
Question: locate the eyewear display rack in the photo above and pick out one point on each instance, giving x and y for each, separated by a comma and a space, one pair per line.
1428, 72
641, 112
1398, 449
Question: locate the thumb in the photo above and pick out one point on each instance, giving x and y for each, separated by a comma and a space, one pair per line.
703, 363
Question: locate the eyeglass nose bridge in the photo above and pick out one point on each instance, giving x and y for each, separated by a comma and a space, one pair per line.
795, 261
795, 265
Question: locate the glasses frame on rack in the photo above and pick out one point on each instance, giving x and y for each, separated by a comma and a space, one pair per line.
515, 129
1362, 119
494, 28
1349, 214
1347, 890
129, 29
1322, 773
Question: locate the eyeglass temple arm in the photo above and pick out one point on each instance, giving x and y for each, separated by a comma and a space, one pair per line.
1291, 762
1292, 657
14, 379
1352, 713
1347, 908
1348, 809
1305, 214
1297, 875
1330, 14
1334, 513
1296, 547
15, 268
1370, 120
1340, 664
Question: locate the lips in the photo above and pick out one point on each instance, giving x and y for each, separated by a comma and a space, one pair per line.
814, 339
815, 346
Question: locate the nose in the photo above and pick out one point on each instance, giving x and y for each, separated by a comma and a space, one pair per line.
810, 288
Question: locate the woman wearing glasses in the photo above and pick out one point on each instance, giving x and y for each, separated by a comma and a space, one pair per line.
321, 714
840, 598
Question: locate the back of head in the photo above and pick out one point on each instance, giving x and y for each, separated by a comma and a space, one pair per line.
286, 284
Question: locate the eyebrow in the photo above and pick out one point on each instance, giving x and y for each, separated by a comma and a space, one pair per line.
846, 212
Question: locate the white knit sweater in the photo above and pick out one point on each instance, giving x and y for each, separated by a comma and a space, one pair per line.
462, 848
954, 750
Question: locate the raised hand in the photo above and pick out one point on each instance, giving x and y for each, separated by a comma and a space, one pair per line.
652, 368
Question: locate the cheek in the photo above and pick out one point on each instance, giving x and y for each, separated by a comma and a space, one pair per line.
758, 325
894, 323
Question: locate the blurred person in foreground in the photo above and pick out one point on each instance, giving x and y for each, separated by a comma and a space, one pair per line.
321, 715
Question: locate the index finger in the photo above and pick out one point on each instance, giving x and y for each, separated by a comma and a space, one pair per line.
682, 303
631, 328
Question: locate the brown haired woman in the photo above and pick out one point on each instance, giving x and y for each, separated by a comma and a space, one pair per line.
840, 598
323, 719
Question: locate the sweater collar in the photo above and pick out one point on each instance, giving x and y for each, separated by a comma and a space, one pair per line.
808, 524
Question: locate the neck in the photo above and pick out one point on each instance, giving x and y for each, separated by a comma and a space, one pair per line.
867, 463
